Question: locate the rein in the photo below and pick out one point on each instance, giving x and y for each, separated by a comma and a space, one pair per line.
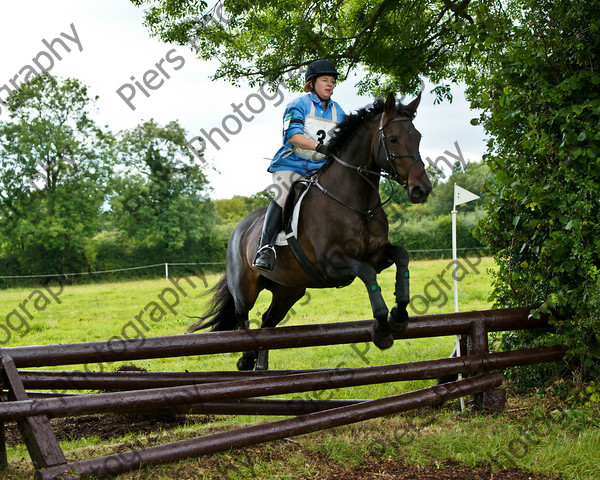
370, 213
364, 172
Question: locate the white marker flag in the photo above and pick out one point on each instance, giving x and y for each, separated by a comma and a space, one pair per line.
463, 196
460, 196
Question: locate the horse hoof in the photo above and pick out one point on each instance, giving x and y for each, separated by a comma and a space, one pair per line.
398, 320
382, 337
383, 342
244, 364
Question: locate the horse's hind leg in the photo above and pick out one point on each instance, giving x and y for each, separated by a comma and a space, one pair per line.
283, 299
245, 291
248, 359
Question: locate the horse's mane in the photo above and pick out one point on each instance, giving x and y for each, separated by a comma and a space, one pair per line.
347, 129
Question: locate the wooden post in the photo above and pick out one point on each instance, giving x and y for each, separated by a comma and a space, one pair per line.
478, 344
38, 435
3, 454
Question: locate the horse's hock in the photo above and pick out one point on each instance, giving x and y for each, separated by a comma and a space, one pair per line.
239, 392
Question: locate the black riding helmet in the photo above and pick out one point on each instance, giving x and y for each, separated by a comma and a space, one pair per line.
317, 69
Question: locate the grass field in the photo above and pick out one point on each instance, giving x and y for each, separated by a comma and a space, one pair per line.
566, 447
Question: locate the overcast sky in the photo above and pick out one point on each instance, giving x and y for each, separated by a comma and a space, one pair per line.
109, 44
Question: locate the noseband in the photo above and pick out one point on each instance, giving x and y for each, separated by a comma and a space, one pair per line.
390, 157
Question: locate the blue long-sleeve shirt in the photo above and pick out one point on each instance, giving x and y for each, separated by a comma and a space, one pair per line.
293, 122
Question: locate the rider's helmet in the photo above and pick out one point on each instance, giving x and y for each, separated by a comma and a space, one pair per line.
317, 69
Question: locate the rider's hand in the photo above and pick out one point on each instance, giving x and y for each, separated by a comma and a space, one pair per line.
322, 149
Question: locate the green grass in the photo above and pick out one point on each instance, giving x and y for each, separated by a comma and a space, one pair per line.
104, 311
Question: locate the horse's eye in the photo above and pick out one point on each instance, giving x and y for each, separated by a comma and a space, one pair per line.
394, 139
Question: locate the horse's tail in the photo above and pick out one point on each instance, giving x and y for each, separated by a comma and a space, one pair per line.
221, 313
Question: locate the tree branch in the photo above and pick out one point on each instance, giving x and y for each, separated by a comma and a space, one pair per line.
460, 9
368, 31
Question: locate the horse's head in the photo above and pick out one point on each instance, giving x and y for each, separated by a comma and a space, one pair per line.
397, 148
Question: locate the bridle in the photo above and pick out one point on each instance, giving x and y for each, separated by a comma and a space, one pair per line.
390, 157
365, 173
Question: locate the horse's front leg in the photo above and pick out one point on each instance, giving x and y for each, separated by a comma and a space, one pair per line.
247, 361
398, 320
382, 333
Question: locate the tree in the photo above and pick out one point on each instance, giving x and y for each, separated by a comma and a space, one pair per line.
55, 167
440, 202
540, 96
160, 195
232, 210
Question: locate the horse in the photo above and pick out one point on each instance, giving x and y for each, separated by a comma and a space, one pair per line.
343, 230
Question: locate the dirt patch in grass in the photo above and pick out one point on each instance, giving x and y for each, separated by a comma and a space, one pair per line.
110, 426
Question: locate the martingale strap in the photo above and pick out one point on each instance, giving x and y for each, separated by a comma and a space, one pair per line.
306, 264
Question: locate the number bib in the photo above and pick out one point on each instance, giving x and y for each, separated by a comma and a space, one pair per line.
319, 130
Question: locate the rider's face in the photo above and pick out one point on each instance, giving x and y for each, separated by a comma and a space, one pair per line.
324, 86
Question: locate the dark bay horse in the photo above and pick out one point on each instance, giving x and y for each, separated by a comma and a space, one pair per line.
343, 230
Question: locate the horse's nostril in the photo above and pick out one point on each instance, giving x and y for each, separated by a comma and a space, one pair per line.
417, 194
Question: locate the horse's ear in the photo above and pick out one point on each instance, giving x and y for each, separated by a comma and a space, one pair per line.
390, 105
412, 106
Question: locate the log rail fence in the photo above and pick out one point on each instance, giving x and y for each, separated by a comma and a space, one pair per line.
235, 393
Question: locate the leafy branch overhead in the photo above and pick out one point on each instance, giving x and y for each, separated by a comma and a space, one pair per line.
393, 42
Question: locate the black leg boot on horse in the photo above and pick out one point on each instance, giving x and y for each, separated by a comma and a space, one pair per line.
265, 256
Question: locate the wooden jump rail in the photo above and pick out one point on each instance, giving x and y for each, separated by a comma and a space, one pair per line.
243, 437
476, 324
233, 392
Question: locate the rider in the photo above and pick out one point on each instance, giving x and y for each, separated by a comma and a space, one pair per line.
308, 122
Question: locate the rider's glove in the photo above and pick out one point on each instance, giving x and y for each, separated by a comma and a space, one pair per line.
322, 148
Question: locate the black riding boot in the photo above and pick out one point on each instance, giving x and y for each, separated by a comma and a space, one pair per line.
265, 256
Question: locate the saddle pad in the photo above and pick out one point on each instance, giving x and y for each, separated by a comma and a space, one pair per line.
281, 240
